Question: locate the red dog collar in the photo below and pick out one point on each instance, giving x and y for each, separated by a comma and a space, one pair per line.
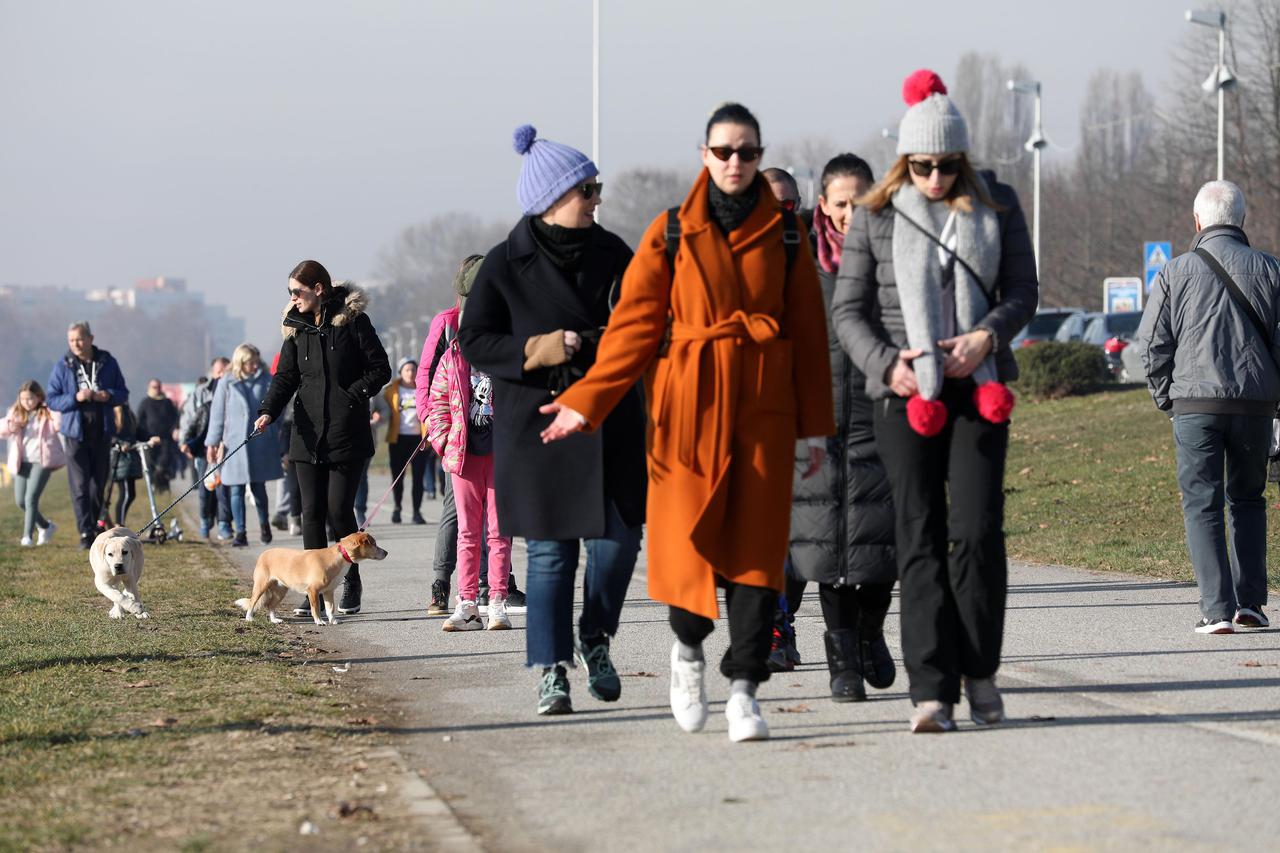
345, 555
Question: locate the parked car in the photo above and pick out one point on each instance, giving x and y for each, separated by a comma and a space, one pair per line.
1072, 328
1113, 332
1042, 327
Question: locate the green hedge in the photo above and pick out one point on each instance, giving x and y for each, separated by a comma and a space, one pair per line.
1052, 369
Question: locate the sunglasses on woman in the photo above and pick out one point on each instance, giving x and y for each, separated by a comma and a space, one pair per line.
924, 168
592, 189
295, 292
746, 154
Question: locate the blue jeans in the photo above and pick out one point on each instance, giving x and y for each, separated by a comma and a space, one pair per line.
237, 504
1227, 577
553, 564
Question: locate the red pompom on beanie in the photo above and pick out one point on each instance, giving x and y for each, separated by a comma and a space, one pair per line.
927, 417
994, 401
920, 85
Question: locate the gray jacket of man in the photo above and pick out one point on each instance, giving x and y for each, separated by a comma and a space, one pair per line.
1201, 353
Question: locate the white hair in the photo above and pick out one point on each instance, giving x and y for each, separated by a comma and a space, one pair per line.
82, 326
1220, 203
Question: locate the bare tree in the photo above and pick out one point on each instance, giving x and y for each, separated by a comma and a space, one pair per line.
637, 196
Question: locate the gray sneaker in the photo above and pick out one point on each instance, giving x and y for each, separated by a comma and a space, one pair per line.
985, 705
553, 692
602, 679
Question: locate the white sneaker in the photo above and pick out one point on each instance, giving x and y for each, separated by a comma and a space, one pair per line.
498, 619
688, 691
26, 542
43, 536
745, 722
465, 617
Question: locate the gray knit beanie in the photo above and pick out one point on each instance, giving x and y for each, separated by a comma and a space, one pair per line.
549, 171
932, 124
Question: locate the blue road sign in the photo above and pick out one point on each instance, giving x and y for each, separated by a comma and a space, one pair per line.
1154, 256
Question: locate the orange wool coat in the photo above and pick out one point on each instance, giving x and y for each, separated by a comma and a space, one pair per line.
747, 373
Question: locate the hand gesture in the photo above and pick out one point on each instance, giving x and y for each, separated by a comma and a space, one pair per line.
566, 423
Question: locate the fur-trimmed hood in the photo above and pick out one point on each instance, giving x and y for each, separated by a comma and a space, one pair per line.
345, 303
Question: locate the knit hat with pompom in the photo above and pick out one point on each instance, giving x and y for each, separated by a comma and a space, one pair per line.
549, 171
932, 124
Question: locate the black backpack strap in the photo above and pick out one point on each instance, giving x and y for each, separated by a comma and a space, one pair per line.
1241, 301
791, 238
673, 236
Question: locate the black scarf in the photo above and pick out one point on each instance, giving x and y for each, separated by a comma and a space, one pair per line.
730, 211
563, 246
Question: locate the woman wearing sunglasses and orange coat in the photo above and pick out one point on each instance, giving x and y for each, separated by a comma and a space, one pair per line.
743, 373
937, 277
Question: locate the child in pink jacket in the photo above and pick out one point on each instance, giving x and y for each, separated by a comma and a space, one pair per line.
35, 452
460, 428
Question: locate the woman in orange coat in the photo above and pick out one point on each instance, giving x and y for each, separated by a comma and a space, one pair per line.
745, 374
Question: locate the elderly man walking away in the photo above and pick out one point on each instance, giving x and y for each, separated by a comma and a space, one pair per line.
1210, 345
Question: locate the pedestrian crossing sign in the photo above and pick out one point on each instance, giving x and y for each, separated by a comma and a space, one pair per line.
1154, 256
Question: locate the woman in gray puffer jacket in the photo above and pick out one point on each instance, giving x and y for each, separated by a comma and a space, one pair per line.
842, 519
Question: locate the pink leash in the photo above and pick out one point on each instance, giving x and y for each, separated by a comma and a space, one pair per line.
368, 519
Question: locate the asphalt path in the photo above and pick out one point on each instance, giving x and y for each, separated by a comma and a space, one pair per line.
1127, 730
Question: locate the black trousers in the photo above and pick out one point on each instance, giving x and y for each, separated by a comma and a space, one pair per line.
328, 492
124, 498
295, 493
843, 607
399, 452
951, 559
751, 610
88, 461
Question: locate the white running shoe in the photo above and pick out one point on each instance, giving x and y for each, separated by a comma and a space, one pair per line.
26, 542
498, 619
688, 691
745, 722
465, 617
44, 535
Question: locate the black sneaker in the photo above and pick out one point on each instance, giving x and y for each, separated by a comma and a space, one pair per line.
602, 679
515, 597
86, 541
1214, 626
240, 540
779, 661
267, 535
349, 601
304, 609
418, 519
553, 692
1251, 616
482, 600
279, 521
395, 515
439, 605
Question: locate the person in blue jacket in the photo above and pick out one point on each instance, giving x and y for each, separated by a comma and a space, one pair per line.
84, 387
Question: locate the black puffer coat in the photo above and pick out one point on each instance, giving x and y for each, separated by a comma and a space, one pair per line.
842, 517
335, 367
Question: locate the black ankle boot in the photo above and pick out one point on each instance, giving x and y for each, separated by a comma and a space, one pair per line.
874, 658
349, 599
842, 662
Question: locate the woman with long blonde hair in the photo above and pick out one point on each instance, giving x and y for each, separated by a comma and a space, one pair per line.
936, 278
231, 416
35, 452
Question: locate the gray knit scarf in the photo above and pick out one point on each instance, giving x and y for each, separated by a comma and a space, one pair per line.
918, 272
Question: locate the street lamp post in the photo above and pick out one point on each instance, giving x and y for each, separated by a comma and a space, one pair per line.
1221, 78
595, 82
1034, 144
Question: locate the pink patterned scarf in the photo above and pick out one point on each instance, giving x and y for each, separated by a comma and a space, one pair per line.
830, 241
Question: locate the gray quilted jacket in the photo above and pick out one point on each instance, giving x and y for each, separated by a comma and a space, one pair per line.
1201, 353
865, 309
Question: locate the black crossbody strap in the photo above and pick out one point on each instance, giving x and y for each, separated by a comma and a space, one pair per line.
991, 297
1238, 297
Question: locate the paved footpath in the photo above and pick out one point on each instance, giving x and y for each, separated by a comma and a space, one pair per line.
1127, 730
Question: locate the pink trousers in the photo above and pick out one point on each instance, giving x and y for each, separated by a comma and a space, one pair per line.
477, 509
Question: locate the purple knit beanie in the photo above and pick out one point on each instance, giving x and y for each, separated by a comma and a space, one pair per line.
549, 171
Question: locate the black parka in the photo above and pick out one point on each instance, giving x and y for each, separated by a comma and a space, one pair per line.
334, 367
558, 490
842, 517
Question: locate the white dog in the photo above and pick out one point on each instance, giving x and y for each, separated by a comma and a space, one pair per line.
116, 559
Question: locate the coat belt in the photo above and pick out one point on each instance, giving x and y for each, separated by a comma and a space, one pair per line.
740, 326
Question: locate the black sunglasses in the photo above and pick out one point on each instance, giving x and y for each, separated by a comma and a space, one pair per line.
295, 292
924, 168
746, 154
591, 189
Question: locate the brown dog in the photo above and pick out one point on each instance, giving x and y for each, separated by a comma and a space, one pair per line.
315, 573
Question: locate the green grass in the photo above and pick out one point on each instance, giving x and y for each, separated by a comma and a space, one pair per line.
166, 731
1091, 482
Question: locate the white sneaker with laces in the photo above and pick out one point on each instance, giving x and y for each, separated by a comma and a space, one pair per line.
465, 617
44, 535
688, 691
26, 542
498, 619
745, 722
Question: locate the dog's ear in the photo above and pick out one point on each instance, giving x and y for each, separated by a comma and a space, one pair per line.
364, 540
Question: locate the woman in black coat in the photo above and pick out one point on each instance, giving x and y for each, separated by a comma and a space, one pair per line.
842, 520
532, 322
334, 362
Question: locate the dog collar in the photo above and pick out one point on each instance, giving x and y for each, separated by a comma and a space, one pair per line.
345, 555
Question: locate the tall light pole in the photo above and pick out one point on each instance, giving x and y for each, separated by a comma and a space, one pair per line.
1221, 78
595, 82
1034, 144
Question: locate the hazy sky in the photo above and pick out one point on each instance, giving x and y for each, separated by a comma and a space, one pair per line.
225, 141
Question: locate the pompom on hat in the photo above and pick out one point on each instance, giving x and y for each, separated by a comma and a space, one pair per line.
932, 124
550, 170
